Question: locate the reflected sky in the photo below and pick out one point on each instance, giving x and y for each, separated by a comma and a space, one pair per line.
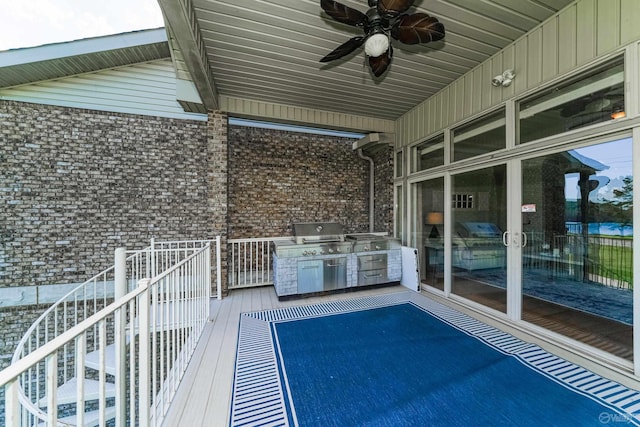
615, 154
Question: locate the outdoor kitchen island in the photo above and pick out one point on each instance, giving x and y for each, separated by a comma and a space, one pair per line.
321, 258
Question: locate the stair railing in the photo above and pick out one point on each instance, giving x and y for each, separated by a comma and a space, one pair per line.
64, 372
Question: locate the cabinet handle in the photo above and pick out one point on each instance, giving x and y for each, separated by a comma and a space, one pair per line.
372, 275
315, 267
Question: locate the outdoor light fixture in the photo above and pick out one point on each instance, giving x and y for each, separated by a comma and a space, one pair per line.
503, 79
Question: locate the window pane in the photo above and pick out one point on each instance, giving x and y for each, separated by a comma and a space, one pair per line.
428, 230
399, 165
595, 98
479, 137
428, 154
478, 255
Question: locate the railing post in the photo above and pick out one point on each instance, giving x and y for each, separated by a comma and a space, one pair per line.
120, 273
218, 268
12, 404
144, 374
153, 257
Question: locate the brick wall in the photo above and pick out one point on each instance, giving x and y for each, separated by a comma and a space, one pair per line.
383, 183
278, 178
76, 184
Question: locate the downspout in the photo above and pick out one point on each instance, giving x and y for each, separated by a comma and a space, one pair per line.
371, 190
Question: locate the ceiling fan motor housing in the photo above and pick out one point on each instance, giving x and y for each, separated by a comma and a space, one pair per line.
385, 19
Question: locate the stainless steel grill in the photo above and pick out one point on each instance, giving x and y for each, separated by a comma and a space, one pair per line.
318, 232
320, 257
314, 238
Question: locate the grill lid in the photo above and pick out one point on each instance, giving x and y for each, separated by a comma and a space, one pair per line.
318, 232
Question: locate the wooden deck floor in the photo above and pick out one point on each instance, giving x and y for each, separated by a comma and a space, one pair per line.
204, 396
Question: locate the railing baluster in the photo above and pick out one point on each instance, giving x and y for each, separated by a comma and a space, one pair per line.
80, 353
52, 388
179, 309
249, 262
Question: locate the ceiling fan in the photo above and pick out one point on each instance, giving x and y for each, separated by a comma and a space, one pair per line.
383, 20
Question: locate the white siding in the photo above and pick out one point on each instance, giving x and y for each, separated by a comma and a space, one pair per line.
147, 89
575, 36
304, 116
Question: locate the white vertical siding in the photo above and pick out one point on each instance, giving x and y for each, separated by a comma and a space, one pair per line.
575, 36
147, 89
304, 116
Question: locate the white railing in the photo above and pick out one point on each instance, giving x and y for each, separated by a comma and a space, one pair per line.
250, 261
118, 361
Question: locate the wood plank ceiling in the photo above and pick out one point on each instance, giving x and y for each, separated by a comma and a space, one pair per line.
268, 50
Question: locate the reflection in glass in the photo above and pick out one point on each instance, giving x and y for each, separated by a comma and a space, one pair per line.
479, 217
399, 214
428, 154
428, 230
577, 262
594, 98
480, 136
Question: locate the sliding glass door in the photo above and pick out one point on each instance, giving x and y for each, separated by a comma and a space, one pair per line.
577, 248
428, 230
478, 221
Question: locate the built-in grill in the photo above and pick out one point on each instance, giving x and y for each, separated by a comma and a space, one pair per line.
320, 257
314, 238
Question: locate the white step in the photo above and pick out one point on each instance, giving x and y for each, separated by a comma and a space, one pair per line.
91, 419
67, 392
92, 360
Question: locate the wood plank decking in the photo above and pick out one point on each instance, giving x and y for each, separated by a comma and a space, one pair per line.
204, 396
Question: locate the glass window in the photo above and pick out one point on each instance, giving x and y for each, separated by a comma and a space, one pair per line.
595, 98
428, 230
578, 259
480, 136
428, 154
399, 164
478, 254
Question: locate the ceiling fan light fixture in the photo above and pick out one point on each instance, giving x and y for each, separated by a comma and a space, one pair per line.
376, 45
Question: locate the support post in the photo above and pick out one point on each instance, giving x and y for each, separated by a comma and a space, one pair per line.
218, 268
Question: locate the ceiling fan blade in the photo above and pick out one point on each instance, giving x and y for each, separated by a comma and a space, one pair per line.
417, 28
380, 63
344, 49
342, 13
394, 7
